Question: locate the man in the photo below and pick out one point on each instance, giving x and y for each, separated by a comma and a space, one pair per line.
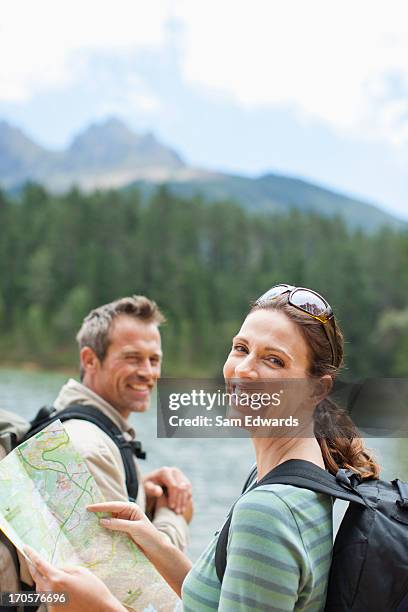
13, 569
120, 363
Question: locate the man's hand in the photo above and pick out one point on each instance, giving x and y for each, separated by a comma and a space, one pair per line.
178, 488
162, 502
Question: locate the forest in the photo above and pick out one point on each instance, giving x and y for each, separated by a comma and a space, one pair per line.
61, 255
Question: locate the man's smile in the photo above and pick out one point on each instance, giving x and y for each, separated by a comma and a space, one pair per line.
140, 387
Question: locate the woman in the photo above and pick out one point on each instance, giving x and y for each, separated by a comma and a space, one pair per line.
280, 541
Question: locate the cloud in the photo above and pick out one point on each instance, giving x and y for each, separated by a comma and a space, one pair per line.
343, 64
130, 98
340, 64
46, 44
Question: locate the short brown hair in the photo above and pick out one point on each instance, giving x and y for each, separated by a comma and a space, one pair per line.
96, 326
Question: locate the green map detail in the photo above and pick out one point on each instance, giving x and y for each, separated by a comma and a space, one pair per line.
45, 487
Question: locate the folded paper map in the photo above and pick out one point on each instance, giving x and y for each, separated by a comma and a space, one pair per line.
45, 487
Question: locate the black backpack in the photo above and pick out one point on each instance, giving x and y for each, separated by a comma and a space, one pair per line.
128, 449
369, 569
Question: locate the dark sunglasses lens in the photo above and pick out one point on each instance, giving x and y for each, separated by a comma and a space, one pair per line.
309, 302
274, 292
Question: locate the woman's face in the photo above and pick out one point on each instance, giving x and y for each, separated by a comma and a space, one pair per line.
266, 373
269, 345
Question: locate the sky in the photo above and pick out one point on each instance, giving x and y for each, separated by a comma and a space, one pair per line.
307, 88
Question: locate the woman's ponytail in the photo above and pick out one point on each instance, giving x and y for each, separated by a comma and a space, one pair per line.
340, 442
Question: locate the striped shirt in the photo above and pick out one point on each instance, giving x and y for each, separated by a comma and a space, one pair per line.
278, 556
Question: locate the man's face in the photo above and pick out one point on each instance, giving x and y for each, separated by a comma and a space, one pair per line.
127, 375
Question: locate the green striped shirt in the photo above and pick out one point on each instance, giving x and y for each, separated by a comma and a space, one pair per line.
279, 554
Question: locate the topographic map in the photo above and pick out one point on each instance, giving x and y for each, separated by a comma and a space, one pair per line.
45, 487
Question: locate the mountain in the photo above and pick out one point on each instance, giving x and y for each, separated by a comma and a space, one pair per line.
277, 193
18, 154
109, 154
113, 145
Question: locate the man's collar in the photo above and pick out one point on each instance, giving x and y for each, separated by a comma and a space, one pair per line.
75, 392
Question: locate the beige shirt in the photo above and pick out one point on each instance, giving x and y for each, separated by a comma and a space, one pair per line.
104, 460
9, 578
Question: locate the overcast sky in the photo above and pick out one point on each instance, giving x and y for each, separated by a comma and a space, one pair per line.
310, 88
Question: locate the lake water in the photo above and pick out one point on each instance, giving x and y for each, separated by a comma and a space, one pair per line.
217, 468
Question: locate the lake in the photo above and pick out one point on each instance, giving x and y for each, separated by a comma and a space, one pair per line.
217, 468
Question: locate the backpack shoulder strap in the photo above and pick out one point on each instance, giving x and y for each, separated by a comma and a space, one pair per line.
307, 475
250, 478
84, 412
297, 473
12, 429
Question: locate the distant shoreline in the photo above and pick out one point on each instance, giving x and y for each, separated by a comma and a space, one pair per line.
32, 366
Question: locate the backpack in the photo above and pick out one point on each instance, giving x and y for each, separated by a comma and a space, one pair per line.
127, 448
369, 569
12, 429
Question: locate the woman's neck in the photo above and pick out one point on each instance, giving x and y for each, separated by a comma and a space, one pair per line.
271, 452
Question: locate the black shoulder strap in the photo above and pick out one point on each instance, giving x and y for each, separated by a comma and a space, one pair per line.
307, 475
298, 473
250, 478
84, 412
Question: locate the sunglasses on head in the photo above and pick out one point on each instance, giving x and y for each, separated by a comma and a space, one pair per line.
311, 303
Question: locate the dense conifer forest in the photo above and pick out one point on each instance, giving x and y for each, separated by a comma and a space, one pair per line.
62, 255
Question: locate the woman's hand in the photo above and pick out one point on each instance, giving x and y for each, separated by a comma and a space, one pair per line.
84, 591
172, 564
129, 518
